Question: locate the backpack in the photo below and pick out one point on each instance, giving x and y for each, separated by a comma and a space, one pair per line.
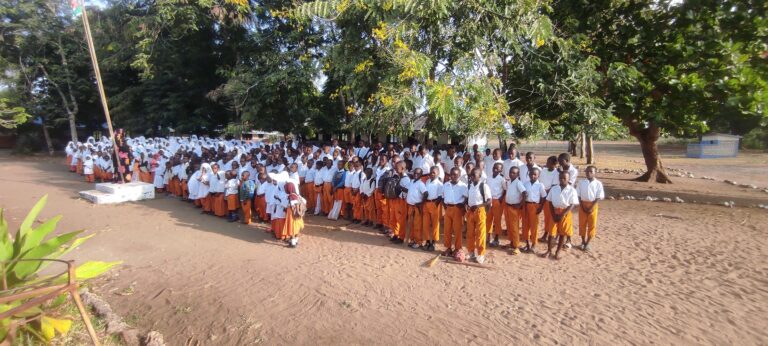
393, 189
382, 183
300, 208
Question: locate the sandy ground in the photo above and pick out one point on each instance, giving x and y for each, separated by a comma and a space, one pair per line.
700, 279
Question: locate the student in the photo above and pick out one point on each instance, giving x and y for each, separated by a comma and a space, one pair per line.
382, 208
490, 161
415, 201
358, 207
204, 188
496, 185
346, 203
310, 171
562, 199
534, 202
278, 212
231, 193
454, 197
246, 193
88, 169
367, 193
549, 177
432, 208
511, 161
218, 186
590, 191
514, 190
564, 159
530, 163
317, 193
339, 179
328, 172
397, 206
478, 202
295, 207
260, 201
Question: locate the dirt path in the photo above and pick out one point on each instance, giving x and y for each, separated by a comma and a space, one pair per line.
699, 279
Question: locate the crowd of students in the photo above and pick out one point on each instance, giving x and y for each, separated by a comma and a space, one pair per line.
404, 192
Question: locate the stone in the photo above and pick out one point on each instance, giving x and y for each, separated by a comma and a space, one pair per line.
154, 338
130, 337
666, 199
649, 198
611, 198
679, 200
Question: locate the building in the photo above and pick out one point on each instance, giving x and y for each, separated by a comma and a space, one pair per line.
714, 145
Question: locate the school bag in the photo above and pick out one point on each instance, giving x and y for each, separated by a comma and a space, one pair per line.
382, 183
393, 189
300, 208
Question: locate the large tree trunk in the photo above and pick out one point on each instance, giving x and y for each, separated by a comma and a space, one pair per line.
590, 151
582, 142
572, 148
47, 137
648, 136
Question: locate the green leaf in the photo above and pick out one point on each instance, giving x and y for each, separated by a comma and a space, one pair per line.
87, 270
26, 226
36, 235
23, 269
6, 246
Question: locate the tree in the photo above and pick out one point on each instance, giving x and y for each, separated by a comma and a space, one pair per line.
10, 117
672, 67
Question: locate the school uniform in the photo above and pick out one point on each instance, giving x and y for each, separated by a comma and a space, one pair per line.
88, 170
368, 192
493, 216
218, 186
382, 208
589, 192
535, 191
548, 179
356, 199
478, 194
524, 172
415, 199
398, 209
260, 201
318, 191
432, 209
513, 209
231, 194
454, 196
327, 198
562, 198
279, 205
309, 188
246, 193
509, 163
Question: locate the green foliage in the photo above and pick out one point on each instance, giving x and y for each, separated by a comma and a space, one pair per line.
21, 266
10, 117
756, 139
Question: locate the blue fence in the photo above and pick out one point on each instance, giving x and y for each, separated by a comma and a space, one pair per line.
713, 149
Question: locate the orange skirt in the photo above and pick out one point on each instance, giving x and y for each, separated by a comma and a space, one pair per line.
277, 228
69, 161
293, 225
232, 202
219, 205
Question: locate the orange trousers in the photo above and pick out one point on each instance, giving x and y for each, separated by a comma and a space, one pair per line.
357, 206
493, 218
531, 223
90, 178
207, 203
588, 222
382, 208
246, 207
309, 195
414, 221
565, 226
397, 213
476, 231
512, 218
452, 227
69, 162
184, 189
369, 209
97, 172
326, 198
339, 195
549, 222
431, 220
261, 208
80, 167
231, 203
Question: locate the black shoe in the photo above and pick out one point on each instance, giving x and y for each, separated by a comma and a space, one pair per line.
393, 239
379, 226
431, 247
399, 241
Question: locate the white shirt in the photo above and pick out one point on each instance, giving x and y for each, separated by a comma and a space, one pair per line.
496, 184
328, 174
348, 178
454, 194
434, 189
549, 178
379, 172
449, 162
489, 162
524, 173
405, 183
357, 179
368, 187
509, 164
535, 191
416, 192
573, 174
590, 191
475, 196
310, 175
319, 176
232, 187
563, 197
515, 189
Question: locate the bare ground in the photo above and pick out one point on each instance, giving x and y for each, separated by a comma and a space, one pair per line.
699, 279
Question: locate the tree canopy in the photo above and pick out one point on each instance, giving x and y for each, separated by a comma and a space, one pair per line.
458, 67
